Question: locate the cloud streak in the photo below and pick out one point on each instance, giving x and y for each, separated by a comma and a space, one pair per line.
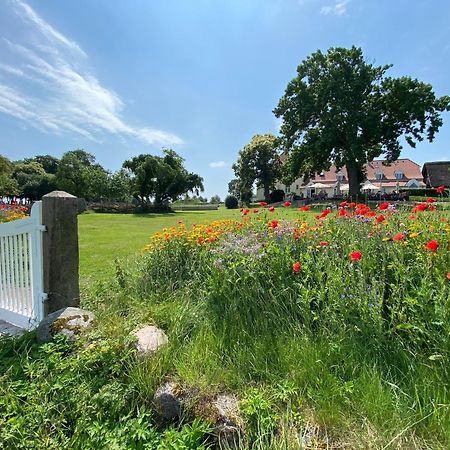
338, 8
65, 97
217, 165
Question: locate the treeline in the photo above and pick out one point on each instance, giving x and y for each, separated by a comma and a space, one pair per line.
149, 179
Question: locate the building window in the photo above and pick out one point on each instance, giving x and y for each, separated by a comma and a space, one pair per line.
399, 175
340, 177
288, 189
379, 176
322, 174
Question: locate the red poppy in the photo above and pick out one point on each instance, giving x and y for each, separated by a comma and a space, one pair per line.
323, 243
287, 204
245, 212
448, 276
351, 205
371, 214
432, 245
398, 237
242, 209
256, 210
361, 206
296, 267
262, 204
324, 213
380, 218
296, 236
383, 206
412, 216
440, 189
272, 209
432, 208
273, 223
422, 207
430, 200
342, 212
356, 256
343, 204
304, 208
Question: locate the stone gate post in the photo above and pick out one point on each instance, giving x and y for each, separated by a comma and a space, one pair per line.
60, 251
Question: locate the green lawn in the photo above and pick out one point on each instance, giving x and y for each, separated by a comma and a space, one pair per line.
105, 237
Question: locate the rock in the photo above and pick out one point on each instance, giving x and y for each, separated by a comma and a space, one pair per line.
229, 425
70, 322
149, 340
168, 401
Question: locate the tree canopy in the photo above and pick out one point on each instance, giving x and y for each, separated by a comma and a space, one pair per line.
258, 161
161, 178
341, 110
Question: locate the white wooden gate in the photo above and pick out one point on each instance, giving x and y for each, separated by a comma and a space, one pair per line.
21, 270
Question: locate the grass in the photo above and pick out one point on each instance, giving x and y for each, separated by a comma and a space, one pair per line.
348, 354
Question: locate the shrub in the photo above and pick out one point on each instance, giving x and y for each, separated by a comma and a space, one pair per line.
277, 196
231, 202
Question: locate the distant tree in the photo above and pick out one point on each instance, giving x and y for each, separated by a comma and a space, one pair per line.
161, 178
120, 185
48, 162
233, 188
215, 199
341, 110
258, 161
80, 175
32, 180
8, 185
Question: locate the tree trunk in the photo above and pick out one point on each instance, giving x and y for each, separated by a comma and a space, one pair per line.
353, 180
267, 192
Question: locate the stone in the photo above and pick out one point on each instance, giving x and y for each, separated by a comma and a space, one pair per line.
168, 401
69, 321
230, 425
149, 340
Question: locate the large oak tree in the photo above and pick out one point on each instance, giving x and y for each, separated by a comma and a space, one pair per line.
341, 110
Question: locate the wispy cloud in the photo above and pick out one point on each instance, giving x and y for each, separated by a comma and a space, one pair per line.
64, 96
218, 164
338, 8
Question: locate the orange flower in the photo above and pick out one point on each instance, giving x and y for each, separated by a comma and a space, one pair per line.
296, 267
273, 224
304, 208
323, 243
398, 237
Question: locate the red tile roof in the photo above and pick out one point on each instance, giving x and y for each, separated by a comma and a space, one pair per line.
410, 171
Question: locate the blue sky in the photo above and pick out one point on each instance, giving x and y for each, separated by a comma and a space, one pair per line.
120, 78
